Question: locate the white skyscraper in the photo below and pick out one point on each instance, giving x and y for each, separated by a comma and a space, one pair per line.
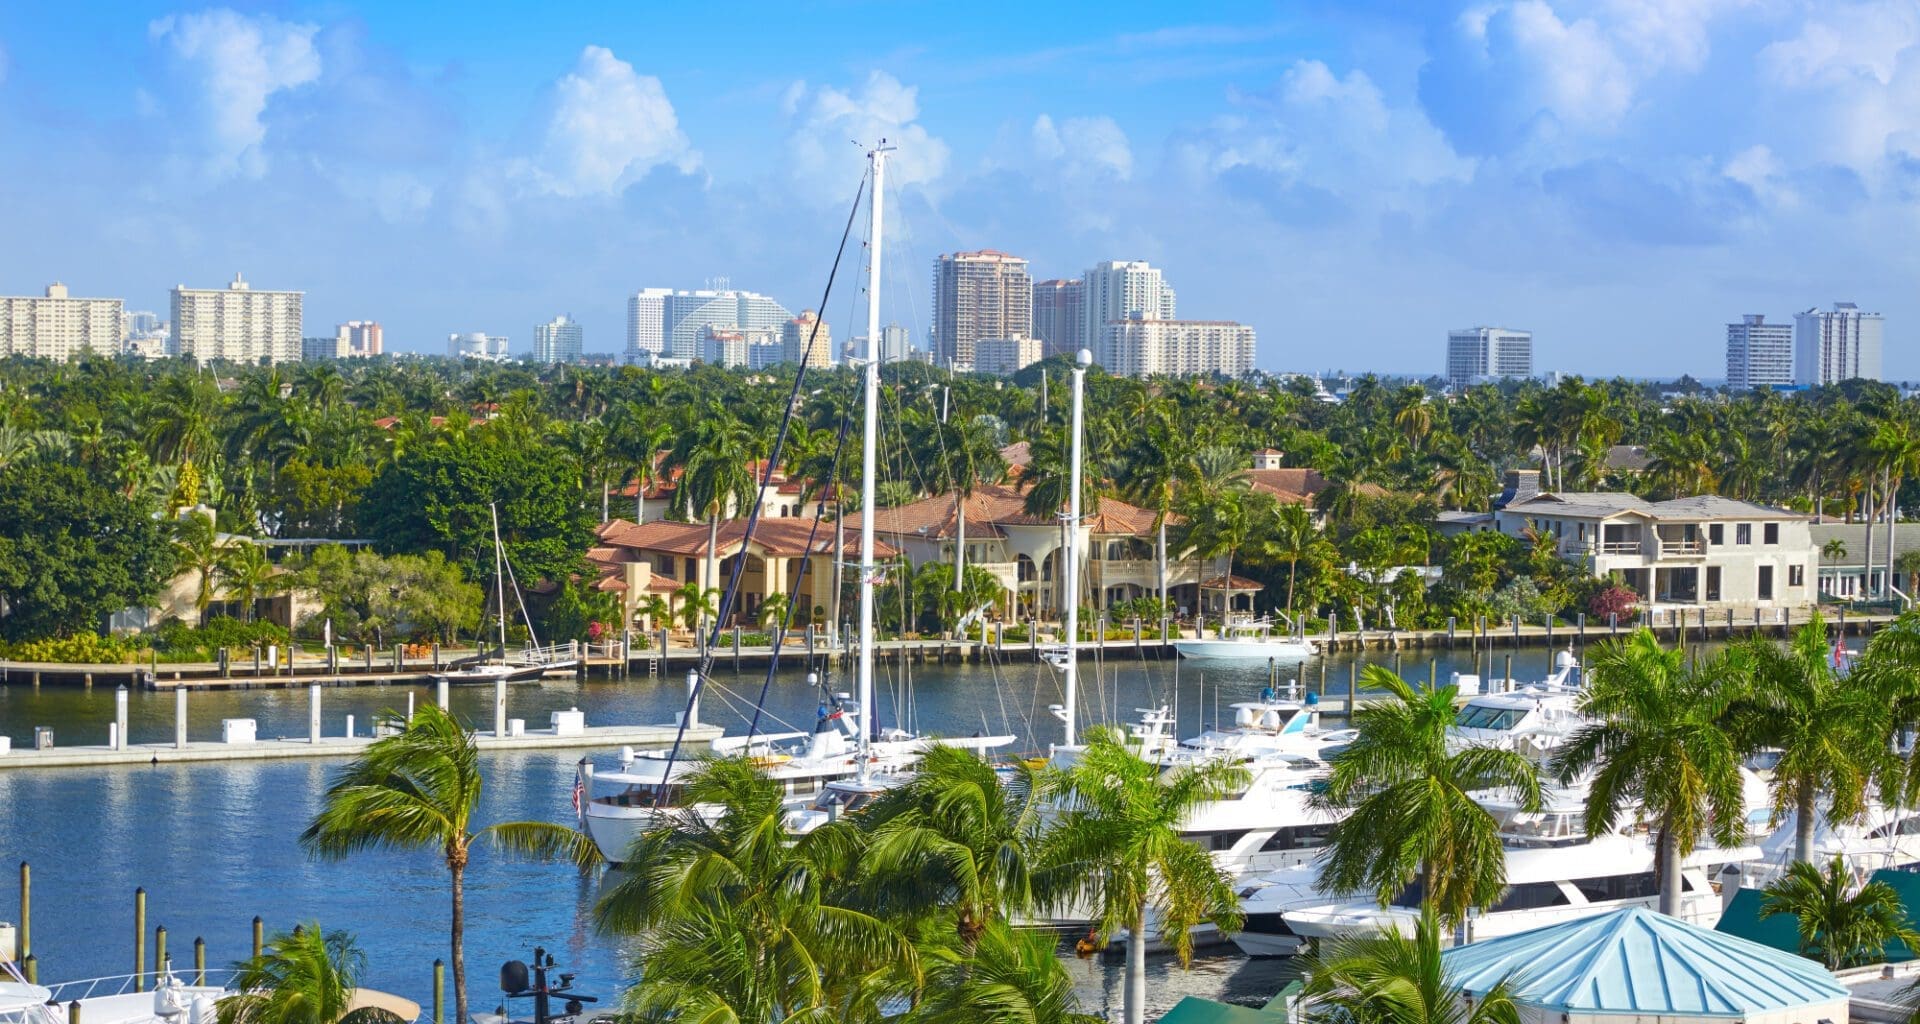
559, 340
1119, 290
1759, 354
646, 323
54, 326
1479, 352
1006, 356
236, 323
896, 344
1836, 345
1178, 348
983, 294
477, 345
686, 315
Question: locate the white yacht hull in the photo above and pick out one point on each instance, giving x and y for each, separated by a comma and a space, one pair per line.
1245, 650
480, 675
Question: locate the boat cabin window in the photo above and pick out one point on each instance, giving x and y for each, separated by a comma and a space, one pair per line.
1410, 896
645, 796
1212, 841
1531, 896
1481, 716
1298, 837
1617, 887
1909, 826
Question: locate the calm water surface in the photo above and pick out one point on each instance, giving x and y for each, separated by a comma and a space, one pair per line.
216, 843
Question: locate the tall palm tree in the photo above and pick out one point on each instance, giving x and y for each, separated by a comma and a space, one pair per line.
1840, 926
247, 575
418, 789
1153, 471
696, 603
1833, 737
1118, 845
305, 976
1389, 978
1235, 519
959, 838
197, 548
1295, 539
1012, 976
1412, 817
968, 456
717, 480
1661, 745
737, 921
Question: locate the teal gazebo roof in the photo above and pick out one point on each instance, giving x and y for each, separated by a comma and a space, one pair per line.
1636, 961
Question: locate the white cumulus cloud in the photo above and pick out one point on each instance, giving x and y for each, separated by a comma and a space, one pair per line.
237, 63
609, 126
832, 127
1856, 70
1083, 147
1319, 145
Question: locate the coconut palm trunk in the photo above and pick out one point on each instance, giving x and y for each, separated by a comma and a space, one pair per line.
1160, 559
1805, 812
1667, 858
1136, 999
457, 870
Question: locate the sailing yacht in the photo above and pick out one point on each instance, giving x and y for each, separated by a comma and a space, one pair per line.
846, 760
531, 662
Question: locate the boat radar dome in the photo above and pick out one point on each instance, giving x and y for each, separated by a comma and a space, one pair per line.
1084, 357
1564, 659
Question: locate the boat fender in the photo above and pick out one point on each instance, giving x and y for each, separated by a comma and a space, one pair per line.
203, 1011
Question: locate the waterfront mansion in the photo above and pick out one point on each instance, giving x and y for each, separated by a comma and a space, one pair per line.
1697, 552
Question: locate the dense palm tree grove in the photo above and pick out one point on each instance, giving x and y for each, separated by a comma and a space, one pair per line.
410, 452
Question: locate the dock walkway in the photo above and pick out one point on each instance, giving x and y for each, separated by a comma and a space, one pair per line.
606, 737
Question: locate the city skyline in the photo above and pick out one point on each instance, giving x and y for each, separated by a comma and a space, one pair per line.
1689, 162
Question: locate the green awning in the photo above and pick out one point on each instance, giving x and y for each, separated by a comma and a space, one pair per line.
1195, 1010
1781, 931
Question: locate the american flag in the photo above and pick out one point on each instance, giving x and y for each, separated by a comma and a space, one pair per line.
579, 790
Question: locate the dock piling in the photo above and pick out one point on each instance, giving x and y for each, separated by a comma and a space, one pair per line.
30, 968
500, 707
313, 713
120, 718
139, 940
159, 955
440, 693
259, 936
199, 961
73, 1012
25, 937
180, 718
349, 726
439, 991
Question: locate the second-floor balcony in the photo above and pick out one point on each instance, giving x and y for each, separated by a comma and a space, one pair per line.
1620, 547
1684, 548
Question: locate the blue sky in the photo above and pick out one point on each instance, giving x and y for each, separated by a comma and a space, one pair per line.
1623, 177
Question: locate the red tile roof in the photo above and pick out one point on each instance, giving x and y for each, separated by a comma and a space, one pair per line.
992, 507
781, 538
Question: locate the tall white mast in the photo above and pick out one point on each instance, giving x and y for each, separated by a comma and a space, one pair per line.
869, 447
499, 578
1080, 363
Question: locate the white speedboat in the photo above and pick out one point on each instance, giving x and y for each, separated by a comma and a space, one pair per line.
1546, 884
1534, 720
1246, 641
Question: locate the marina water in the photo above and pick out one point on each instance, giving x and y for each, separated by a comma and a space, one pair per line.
216, 843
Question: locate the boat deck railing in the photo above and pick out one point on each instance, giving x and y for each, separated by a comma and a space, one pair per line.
83, 989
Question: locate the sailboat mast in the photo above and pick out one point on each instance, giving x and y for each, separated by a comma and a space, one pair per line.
1080, 364
869, 449
499, 578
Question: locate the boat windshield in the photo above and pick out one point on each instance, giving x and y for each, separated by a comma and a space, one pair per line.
1481, 716
842, 800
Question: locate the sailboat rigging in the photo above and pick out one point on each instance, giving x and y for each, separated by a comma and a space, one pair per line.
532, 661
